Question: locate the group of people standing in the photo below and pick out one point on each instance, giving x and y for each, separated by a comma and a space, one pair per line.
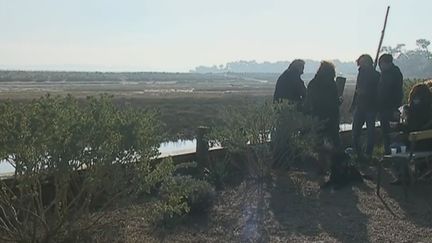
377, 95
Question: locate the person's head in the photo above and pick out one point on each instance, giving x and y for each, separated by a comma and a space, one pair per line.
385, 61
326, 69
364, 61
420, 93
297, 65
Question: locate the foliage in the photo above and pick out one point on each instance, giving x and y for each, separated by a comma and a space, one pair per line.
251, 125
73, 159
220, 173
295, 136
413, 63
246, 135
423, 44
180, 194
242, 133
70, 158
260, 69
172, 195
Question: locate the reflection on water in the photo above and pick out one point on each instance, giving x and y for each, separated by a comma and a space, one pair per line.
345, 127
166, 149
348, 127
5, 167
177, 147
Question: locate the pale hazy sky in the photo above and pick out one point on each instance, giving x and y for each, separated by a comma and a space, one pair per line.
177, 35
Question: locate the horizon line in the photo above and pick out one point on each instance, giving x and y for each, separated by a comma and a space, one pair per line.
107, 69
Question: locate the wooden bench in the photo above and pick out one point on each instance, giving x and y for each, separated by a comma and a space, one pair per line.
408, 161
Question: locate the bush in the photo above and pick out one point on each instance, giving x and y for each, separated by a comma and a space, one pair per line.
242, 134
246, 134
177, 195
295, 136
196, 195
221, 173
69, 158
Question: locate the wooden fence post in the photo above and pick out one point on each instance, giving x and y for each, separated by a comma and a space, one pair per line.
202, 148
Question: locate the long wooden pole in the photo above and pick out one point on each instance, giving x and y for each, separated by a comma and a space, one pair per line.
382, 37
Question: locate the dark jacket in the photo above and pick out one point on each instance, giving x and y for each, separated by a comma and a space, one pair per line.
289, 86
365, 96
390, 90
323, 101
419, 117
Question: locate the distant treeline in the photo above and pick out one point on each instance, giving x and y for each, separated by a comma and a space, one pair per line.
346, 68
415, 63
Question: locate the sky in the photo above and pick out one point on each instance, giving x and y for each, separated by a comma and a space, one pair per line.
178, 35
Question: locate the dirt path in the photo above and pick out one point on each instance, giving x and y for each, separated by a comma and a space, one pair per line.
292, 208
301, 212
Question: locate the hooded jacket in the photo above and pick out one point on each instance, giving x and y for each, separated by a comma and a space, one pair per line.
290, 86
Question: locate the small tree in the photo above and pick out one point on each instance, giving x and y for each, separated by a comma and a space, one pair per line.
394, 51
423, 44
415, 63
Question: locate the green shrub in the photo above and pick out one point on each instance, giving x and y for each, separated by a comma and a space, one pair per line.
241, 131
197, 194
177, 195
295, 135
250, 125
220, 173
246, 134
69, 158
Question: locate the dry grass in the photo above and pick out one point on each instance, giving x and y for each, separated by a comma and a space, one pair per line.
182, 113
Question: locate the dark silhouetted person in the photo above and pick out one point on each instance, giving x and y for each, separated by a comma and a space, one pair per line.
322, 102
390, 94
289, 85
418, 114
364, 105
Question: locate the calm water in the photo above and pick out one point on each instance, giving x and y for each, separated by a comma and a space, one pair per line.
177, 147
6, 167
166, 149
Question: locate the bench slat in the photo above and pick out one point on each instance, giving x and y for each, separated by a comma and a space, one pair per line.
420, 135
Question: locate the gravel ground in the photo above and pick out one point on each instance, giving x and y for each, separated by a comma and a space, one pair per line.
292, 208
